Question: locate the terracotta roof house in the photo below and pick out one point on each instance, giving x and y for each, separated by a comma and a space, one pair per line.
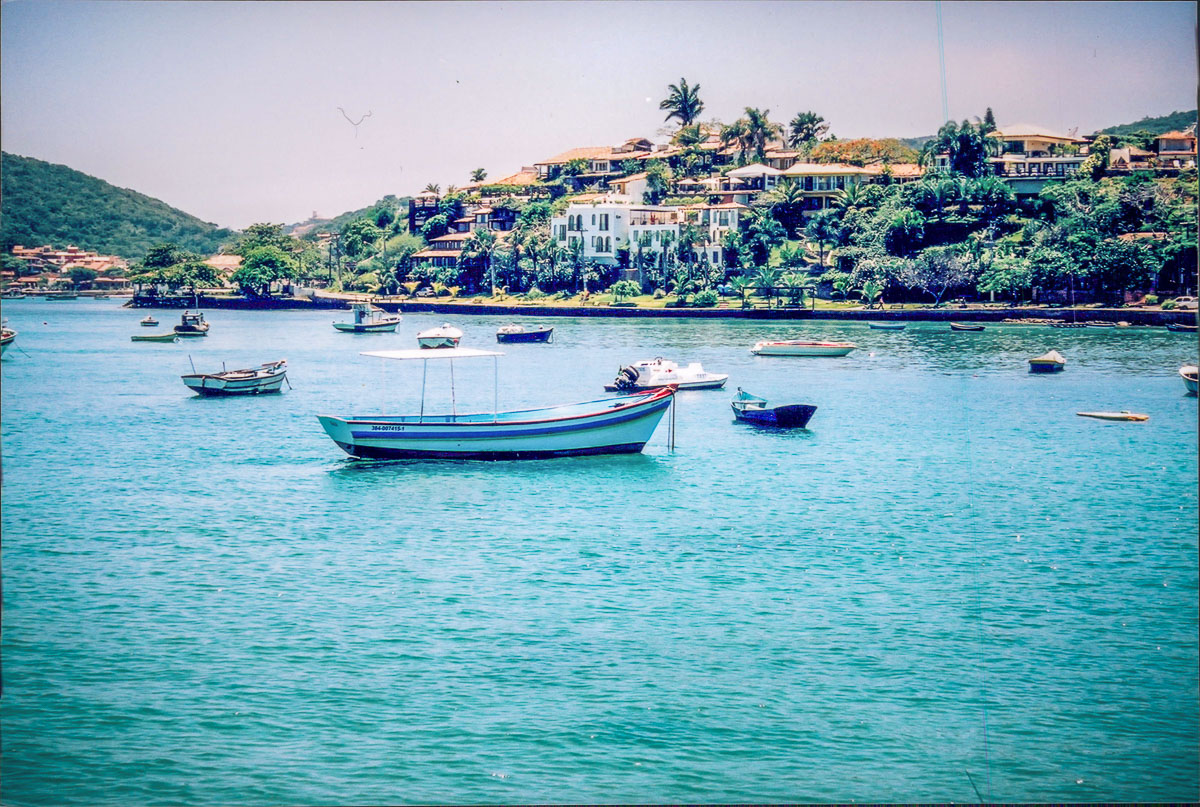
1177, 149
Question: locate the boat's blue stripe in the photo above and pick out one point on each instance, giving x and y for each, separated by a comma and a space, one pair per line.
470, 431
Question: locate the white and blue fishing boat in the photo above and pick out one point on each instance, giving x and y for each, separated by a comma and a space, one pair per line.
606, 426
369, 319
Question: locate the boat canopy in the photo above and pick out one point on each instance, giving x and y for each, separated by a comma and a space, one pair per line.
433, 353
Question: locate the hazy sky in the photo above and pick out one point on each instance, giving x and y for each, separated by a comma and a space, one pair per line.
229, 111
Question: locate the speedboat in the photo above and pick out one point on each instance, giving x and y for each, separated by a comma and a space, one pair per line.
148, 321
1051, 362
799, 347
445, 336
265, 378
1188, 373
165, 336
620, 425
519, 333
647, 374
192, 324
369, 319
752, 409
963, 326
7, 337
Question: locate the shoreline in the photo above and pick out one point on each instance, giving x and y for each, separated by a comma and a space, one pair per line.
1133, 316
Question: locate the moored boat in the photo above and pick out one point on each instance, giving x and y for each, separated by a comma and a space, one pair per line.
166, 336
7, 337
148, 321
1188, 373
62, 295
652, 374
369, 319
752, 409
607, 426
192, 324
441, 337
1099, 323
1122, 415
1068, 325
886, 326
1179, 327
254, 381
13, 294
800, 347
519, 333
1049, 362
965, 326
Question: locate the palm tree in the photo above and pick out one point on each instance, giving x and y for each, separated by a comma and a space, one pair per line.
478, 175
823, 229
433, 188
765, 280
805, 128
850, 197
683, 102
872, 292
742, 286
735, 134
760, 131
688, 136
482, 246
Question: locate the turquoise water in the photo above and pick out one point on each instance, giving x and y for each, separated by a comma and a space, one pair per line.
949, 587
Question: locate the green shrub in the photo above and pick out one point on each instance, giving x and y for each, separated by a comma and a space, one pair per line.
1169, 305
535, 293
706, 298
659, 294
1151, 299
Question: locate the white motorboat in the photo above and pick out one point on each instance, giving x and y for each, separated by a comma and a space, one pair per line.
444, 336
1050, 362
257, 380
369, 319
1188, 373
653, 374
800, 347
192, 324
608, 426
7, 337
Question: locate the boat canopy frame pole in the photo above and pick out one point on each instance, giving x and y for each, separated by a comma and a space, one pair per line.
424, 372
495, 389
453, 405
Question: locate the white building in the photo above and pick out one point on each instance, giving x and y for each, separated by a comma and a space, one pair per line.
601, 224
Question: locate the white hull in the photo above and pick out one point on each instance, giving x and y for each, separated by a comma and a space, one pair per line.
802, 348
658, 373
378, 327
1189, 375
614, 426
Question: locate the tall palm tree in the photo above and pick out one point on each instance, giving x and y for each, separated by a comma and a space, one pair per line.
806, 127
478, 175
735, 134
481, 246
433, 188
760, 131
765, 280
683, 102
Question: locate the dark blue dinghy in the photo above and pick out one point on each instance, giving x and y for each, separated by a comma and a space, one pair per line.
752, 409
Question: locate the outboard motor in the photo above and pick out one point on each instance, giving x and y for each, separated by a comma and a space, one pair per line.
627, 378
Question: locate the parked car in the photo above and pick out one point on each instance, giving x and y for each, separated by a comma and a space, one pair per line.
1186, 303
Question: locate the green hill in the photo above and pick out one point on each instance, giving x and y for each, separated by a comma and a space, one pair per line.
1176, 121
43, 203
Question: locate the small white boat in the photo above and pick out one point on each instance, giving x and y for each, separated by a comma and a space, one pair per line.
608, 426
1051, 362
1188, 373
445, 336
653, 374
799, 347
13, 294
148, 321
192, 324
1122, 415
265, 378
7, 337
369, 319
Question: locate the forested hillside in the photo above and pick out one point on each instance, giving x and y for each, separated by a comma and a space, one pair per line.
1175, 122
52, 204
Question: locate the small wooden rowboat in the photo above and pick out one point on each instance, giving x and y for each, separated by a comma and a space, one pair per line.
1050, 362
963, 326
752, 409
254, 381
886, 326
169, 336
1123, 415
1190, 374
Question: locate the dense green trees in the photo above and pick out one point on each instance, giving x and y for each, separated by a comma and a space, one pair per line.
53, 204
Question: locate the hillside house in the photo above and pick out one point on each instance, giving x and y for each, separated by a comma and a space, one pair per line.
1177, 149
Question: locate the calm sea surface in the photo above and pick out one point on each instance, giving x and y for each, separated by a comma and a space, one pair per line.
948, 588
